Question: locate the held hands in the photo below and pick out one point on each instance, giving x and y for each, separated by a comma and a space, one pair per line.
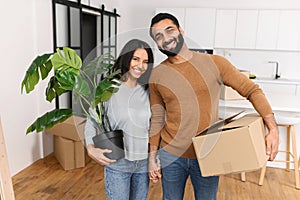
98, 155
154, 171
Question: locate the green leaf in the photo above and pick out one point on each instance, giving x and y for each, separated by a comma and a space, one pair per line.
68, 60
81, 87
45, 69
113, 75
100, 65
54, 89
104, 91
49, 119
67, 78
32, 75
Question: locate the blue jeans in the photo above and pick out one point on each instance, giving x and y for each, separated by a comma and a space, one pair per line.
175, 171
126, 180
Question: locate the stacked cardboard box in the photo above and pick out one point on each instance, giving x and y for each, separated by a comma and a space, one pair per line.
69, 147
233, 147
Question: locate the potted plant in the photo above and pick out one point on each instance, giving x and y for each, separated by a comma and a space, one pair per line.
68, 75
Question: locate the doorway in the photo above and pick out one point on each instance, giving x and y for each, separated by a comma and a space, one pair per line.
82, 28
89, 34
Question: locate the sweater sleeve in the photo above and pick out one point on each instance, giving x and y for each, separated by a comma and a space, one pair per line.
243, 85
157, 113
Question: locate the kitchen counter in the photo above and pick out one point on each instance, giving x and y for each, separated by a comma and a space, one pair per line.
277, 81
279, 103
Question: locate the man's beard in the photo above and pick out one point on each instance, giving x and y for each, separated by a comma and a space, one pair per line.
176, 50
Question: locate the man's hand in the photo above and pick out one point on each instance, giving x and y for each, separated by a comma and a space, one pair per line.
272, 139
98, 155
272, 142
154, 168
154, 171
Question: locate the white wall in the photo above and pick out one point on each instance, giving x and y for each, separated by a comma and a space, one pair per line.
137, 14
26, 31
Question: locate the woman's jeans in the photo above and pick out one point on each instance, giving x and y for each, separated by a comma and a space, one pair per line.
126, 180
175, 171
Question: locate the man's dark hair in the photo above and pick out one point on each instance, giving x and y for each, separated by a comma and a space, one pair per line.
161, 16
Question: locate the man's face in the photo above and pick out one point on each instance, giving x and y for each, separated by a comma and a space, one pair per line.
167, 37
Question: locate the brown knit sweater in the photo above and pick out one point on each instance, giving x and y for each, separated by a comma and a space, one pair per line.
184, 99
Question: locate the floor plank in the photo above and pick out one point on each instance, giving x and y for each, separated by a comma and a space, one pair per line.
47, 180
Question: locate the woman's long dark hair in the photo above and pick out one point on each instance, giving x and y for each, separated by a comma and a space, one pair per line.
124, 59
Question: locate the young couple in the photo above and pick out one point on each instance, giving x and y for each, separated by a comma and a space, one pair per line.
184, 91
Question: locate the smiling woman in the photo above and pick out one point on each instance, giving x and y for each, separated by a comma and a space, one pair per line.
129, 110
138, 64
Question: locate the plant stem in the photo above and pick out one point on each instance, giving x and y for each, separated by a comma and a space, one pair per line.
86, 75
107, 120
99, 118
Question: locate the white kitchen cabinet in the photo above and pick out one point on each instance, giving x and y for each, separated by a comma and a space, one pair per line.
267, 30
282, 89
289, 30
179, 13
246, 29
225, 28
298, 90
200, 27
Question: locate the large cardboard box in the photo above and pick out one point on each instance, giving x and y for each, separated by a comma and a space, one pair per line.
237, 146
69, 147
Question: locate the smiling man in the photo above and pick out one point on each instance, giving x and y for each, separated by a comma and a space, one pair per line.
184, 96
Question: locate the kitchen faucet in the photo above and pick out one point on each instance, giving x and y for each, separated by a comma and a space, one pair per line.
277, 75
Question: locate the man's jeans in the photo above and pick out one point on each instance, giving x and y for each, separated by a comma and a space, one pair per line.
126, 180
175, 171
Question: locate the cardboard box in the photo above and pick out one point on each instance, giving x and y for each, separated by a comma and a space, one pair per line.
64, 152
228, 93
69, 153
72, 128
237, 146
69, 147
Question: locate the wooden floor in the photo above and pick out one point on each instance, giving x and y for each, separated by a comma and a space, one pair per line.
46, 180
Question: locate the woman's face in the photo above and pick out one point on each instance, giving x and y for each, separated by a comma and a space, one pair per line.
138, 63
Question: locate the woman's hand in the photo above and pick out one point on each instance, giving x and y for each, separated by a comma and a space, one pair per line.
98, 155
154, 167
154, 171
